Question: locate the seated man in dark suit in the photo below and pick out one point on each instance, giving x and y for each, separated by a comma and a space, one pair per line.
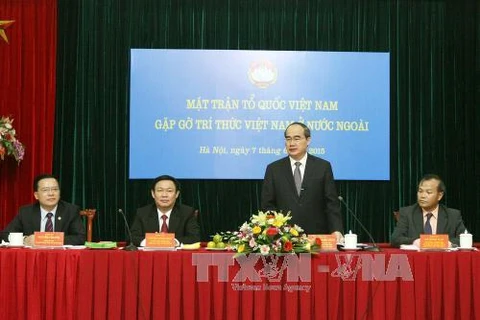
427, 216
49, 213
165, 214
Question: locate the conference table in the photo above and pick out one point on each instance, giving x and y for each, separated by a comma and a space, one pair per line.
201, 284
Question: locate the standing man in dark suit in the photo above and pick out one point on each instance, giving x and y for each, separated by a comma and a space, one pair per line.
428, 216
303, 184
165, 214
64, 216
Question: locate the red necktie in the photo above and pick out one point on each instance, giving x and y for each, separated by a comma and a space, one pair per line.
164, 224
49, 224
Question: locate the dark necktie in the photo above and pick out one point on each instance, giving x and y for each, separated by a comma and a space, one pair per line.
164, 224
297, 176
428, 227
49, 224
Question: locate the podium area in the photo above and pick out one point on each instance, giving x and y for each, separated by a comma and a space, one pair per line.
201, 284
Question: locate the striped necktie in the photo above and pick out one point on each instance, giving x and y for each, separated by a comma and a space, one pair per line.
49, 224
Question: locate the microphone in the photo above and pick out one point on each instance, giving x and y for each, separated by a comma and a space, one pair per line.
374, 246
131, 246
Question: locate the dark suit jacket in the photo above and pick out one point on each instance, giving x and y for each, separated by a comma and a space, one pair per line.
410, 225
67, 220
317, 209
182, 222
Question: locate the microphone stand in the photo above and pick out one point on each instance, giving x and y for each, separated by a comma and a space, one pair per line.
131, 246
373, 247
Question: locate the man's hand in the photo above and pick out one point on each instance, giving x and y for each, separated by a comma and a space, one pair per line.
339, 236
29, 240
416, 243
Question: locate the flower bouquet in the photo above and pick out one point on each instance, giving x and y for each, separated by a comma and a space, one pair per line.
9, 144
270, 233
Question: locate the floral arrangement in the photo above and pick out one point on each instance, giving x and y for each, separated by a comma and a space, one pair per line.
270, 233
9, 145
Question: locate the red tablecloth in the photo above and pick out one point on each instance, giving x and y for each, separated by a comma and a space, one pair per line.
113, 284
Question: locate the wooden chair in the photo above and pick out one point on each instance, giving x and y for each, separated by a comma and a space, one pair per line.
89, 214
396, 215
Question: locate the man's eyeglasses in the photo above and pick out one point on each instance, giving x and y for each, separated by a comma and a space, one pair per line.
294, 139
48, 190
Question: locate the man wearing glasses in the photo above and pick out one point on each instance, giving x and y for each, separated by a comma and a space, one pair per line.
48, 214
303, 184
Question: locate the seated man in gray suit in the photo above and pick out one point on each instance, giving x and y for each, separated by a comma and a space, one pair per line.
427, 216
165, 214
49, 213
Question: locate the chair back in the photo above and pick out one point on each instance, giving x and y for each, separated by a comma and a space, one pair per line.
89, 214
396, 215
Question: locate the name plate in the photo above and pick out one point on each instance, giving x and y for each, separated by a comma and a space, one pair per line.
48, 239
328, 241
160, 240
433, 241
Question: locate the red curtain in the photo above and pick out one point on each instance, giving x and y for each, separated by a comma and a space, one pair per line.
27, 94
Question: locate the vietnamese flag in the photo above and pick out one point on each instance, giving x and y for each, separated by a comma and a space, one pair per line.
28, 43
